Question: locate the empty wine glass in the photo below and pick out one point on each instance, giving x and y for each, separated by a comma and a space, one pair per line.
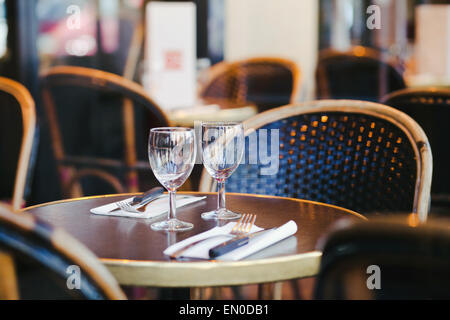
223, 148
171, 152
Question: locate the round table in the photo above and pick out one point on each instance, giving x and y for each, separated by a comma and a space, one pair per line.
133, 252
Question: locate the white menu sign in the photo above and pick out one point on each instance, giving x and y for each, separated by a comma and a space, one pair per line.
433, 40
170, 53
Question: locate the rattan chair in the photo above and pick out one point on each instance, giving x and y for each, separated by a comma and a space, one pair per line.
41, 262
430, 107
99, 126
358, 74
384, 260
266, 82
363, 156
16, 105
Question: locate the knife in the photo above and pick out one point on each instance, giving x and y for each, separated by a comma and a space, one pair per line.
145, 197
234, 243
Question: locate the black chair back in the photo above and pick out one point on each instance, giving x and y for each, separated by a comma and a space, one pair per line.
99, 124
44, 263
10, 142
18, 142
264, 82
335, 152
385, 259
430, 107
360, 74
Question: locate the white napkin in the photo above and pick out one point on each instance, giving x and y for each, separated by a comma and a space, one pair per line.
255, 244
155, 208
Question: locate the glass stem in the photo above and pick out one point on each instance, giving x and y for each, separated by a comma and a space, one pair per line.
221, 196
172, 206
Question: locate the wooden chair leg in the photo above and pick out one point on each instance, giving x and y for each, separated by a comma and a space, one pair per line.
277, 291
237, 292
216, 293
264, 291
270, 291
296, 288
198, 293
8, 280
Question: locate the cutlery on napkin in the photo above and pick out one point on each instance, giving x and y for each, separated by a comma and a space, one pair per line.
211, 239
234, 243
156, 208
143, 199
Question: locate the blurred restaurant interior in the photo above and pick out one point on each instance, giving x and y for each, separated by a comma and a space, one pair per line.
347, 102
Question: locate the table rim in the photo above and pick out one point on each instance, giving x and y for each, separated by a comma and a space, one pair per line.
210, 273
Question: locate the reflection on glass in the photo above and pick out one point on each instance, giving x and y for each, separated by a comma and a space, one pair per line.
223, 148
171, 152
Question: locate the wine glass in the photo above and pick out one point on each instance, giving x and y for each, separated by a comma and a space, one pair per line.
223, 148
171, 152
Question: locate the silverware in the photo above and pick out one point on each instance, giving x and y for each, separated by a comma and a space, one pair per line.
242, 227
146, 195
123, 205
140, 200
234, 243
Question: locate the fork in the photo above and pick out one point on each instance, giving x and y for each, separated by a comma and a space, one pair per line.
125, 206
242, 227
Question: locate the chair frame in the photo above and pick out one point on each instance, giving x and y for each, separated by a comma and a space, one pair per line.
222, 67
412, 130
92, 78
66, 245
419, 90
335, 246
408, 93
27, 108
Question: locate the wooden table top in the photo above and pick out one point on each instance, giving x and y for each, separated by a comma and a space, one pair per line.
133, 252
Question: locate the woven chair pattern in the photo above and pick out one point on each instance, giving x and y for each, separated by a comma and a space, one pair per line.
354, 75
356, 161
99, 126
431, 109
264, 83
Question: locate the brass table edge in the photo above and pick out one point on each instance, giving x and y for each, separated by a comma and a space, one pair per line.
193, 192
211, 273
214, 273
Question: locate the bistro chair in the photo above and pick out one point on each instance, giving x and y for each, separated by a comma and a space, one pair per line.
430, 107
99, 124
17, 141
358, 74
40, 262
264, 81
362, 156
385, 259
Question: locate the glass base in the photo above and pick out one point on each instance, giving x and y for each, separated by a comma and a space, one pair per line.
223, 214
172, 225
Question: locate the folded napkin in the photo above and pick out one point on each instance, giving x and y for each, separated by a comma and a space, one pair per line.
153, 209
255, 244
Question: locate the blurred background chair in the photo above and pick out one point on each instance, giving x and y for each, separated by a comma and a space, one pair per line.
266, 82
37, 261
99, 124
359, 74
17, 145
413, 261
359, 155
430, 107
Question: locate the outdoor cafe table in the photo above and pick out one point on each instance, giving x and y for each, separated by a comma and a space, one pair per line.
134, 253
